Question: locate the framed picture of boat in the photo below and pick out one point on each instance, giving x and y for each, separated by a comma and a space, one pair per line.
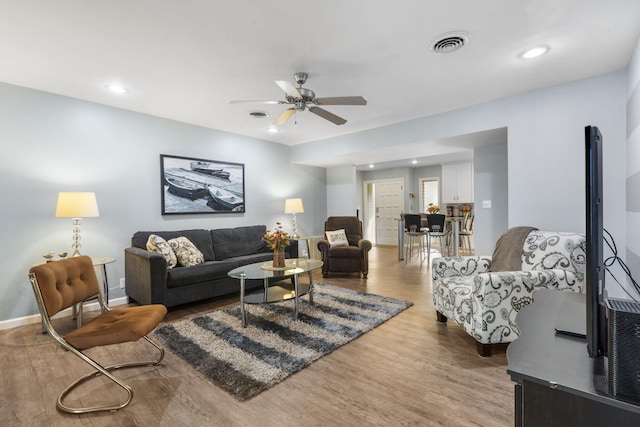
200, 186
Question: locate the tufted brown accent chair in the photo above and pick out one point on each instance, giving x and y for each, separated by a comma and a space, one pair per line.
59, 285
345, 259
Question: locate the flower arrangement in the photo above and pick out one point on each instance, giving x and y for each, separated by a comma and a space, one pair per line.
433, 209
278, 240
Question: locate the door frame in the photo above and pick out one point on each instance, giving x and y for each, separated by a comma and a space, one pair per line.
368, 214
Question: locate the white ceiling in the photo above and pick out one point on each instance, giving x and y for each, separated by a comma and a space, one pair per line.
185, 60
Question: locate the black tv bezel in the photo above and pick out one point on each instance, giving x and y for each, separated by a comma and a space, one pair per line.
594, 268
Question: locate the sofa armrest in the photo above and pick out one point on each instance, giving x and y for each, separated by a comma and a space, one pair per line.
459, 266
323, 247
145, 275
291, 251
364, 245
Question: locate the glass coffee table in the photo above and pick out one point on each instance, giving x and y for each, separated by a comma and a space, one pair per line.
278, 291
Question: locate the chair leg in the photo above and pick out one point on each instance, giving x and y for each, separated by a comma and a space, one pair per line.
106, 371
441, 317
484, 350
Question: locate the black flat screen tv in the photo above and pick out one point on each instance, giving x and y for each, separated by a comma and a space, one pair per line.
595, 269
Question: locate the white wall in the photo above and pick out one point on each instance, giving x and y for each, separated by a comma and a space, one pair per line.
633, 165
53, 143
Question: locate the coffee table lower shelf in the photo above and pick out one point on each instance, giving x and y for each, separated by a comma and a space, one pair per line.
278, 293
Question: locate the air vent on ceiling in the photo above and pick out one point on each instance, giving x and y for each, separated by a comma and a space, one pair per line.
258, 114
450, 42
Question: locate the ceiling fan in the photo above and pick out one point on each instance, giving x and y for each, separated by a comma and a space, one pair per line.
302, 98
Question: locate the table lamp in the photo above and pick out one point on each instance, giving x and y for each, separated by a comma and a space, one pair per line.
293, 206
76, 205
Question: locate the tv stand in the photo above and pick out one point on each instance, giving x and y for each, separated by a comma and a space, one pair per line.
557, 383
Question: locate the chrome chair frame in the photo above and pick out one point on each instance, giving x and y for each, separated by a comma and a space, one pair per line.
99, 369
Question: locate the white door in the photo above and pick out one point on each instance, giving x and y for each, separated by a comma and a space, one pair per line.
384, 212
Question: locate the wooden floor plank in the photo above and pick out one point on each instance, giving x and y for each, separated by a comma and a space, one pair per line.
410, 371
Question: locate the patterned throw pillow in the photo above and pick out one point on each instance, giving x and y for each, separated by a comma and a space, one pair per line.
186, 252
160, 246
337, 238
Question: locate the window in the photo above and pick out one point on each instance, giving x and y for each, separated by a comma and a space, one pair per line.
429, 192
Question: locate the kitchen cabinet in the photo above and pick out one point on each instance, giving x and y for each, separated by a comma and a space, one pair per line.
457, 183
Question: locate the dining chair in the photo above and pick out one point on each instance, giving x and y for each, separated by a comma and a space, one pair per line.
466, 233
437, 229
413, 231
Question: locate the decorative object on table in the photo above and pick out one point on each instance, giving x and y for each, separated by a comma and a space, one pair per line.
48, 257
279, 345
433, 209
294, 206
77, 205
277, 241
62, 255
196, 186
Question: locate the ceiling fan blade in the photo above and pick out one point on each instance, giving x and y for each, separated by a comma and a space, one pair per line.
282, 118
256, 101
289, 89
341, 100
327, 115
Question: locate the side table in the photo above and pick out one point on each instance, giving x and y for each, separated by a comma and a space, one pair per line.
100, 261
103, 261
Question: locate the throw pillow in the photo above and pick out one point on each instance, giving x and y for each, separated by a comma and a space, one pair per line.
160, 246
337, 238
186, 252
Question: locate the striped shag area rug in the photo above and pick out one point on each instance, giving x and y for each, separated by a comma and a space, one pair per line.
247, 361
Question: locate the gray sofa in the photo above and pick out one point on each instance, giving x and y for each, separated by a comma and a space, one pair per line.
148, 281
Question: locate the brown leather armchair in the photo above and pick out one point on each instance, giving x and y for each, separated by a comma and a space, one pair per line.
345, 259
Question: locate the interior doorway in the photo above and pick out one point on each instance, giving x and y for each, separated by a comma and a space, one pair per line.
383, 203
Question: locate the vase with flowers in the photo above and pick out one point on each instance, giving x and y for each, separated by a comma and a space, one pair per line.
433, 209
277, 241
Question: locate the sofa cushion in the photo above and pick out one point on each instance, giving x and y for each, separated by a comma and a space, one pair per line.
186, 252
210, 270
200, 238
345, 252
239, 241
160, 246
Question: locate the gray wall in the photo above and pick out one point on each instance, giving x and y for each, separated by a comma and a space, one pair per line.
53, 143
545, 148
490, 175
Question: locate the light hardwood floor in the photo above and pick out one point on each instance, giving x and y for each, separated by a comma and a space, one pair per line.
410, 371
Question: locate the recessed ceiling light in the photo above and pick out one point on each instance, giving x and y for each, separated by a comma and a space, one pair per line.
273, 129
534, 52
116, 88
370, 165
414, 161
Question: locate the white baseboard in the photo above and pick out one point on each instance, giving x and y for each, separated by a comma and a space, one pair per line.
35, 318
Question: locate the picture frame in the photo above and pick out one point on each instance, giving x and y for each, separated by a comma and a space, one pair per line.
192, 185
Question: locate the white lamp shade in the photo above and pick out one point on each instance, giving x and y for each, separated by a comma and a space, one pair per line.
293, 206
77, 205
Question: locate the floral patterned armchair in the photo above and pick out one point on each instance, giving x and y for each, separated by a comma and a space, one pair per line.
485, 303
